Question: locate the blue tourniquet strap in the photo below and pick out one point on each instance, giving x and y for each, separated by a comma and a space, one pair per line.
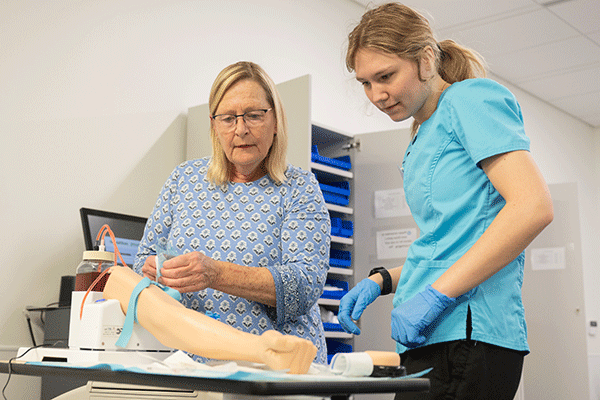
131, 316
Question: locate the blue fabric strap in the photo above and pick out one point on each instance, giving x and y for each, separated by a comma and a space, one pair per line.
131, 316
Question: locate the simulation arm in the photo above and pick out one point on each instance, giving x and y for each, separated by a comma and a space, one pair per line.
181, 328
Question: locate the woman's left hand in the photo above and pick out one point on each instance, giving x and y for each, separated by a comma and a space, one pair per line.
189, 272
411, 319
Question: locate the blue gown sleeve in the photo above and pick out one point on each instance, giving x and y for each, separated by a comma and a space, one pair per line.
487, 119
305, 241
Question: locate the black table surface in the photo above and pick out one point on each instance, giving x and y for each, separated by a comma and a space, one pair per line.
264, 388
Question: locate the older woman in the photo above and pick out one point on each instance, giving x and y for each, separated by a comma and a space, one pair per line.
252, 232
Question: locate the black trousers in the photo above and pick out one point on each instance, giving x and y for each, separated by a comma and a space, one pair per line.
465, 370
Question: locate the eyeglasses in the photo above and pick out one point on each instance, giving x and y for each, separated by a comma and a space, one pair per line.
252, 118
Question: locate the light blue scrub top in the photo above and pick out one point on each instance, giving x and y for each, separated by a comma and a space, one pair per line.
453, 202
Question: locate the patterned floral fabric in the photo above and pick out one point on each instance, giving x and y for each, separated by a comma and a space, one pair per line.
285, 228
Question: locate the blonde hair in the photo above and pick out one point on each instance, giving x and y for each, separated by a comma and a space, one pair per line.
398, 29
219, 170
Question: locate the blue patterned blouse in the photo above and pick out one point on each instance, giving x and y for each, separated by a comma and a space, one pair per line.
283, 227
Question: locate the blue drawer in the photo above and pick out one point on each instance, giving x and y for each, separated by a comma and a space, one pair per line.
342, 162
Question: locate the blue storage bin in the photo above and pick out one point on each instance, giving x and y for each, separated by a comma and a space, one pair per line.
342, 162
336, 346
341, 289
336, 199
336, 192
342, 188
331, 327
342, 228
336, 226
347, 228
340, 258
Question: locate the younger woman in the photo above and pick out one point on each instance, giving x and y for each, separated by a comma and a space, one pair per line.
476, 195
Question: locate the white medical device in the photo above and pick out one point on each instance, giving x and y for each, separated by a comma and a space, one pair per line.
93, 337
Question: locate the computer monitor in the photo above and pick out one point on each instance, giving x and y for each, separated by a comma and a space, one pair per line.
128, 231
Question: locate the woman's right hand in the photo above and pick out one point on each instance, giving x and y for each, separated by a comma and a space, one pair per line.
190, 272
149, 268
355, 302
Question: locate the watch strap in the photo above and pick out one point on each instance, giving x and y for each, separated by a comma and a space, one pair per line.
387, 279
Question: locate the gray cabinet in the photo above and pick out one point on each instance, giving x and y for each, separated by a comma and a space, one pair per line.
332, 165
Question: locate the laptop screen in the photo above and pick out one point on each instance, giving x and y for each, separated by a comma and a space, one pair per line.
128, 231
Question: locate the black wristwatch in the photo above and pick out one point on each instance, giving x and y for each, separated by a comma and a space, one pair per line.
387, 279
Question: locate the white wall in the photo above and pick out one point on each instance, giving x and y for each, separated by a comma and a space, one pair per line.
592, 272
94, 96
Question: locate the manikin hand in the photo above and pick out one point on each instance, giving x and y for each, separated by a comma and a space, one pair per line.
354, 303
286, 352
188, 272
411, 319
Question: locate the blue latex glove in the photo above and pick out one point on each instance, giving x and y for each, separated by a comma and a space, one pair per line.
411, 319
354, 303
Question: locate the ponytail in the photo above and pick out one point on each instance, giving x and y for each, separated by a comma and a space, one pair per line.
457, 63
